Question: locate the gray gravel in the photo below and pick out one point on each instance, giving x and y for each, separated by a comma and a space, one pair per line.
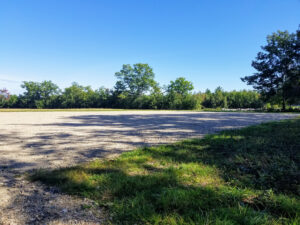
32, 140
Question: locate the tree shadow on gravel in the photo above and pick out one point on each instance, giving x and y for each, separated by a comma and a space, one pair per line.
84, 137
247, 176
258, 160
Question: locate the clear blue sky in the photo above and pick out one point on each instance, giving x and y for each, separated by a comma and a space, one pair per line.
210, 42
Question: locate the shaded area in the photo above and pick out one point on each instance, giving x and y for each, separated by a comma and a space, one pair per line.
23, 202
54, 139
247, 176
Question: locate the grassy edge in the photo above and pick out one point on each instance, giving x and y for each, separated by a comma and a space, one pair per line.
63, 174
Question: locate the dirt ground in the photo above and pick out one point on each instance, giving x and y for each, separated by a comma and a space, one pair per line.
32, 140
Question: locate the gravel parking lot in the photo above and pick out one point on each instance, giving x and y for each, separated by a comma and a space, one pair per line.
32, 140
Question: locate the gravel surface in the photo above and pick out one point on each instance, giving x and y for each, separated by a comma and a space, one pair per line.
32, 140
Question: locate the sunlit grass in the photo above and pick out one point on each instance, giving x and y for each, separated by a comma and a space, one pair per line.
246, 176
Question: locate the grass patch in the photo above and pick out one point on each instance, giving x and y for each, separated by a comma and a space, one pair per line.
245, 176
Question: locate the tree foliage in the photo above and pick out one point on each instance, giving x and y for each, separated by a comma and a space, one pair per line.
77, 96
134, 89
178, 95
136, 80
278, 65
180, 86
232, 99
39, 95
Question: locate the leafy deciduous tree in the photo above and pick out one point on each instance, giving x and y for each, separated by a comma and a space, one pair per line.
39, 95
277, 66
180, 86
135, 80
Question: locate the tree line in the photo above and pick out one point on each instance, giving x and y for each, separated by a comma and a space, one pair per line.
128, 95
276, 83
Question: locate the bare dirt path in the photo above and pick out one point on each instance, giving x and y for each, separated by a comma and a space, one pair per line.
32, 140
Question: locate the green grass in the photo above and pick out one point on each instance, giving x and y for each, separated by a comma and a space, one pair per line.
246, 176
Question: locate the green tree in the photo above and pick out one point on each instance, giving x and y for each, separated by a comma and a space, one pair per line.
207, 99
156, 98
135, 80
48, 93
77, 96
12, 102
103, 97
277, 67
218, 98
39, 95
180, 86
243, 99
179, 94
31, 94
293, 85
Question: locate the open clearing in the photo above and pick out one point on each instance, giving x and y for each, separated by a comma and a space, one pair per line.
32, 140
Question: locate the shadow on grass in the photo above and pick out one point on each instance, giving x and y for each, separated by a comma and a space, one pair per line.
247, 176
262, 157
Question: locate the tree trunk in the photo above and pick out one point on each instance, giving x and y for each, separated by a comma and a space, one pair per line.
283, 104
